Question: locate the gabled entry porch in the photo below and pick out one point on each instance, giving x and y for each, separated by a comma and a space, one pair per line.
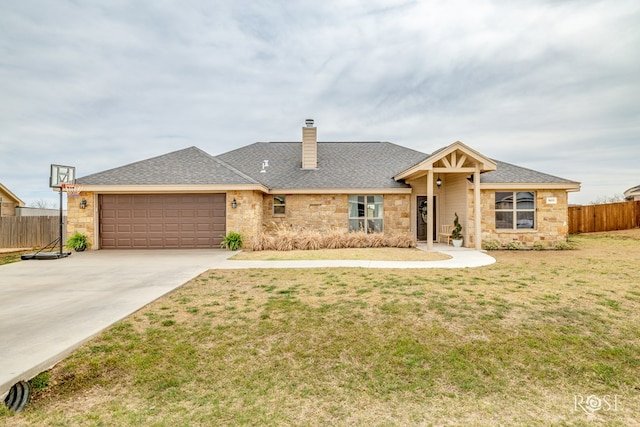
449, 182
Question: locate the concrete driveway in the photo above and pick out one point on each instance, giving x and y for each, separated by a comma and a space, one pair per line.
48, 308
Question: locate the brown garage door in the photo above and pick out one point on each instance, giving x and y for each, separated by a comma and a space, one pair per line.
149, 221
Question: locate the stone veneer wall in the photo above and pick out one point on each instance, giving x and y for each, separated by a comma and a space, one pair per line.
82, 220
397, 213
330, 211
313, 211
246, 218
551, 220
317, 211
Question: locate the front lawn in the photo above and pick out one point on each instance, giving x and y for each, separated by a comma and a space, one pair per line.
369, 254
541, 338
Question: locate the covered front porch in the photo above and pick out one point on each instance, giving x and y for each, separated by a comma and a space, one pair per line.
445, 184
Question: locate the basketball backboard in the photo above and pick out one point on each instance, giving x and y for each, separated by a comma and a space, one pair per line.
62, 175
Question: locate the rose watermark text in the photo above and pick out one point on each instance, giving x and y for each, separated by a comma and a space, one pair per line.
592, 403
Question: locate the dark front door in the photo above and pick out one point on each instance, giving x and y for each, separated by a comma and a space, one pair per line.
423, 210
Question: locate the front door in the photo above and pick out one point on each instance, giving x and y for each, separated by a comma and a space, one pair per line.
422, 212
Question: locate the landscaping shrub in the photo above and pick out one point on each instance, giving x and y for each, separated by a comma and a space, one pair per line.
401, 241
515, 246
333, 239
232, 241
491, 245
539, 246
563, 246
282, 237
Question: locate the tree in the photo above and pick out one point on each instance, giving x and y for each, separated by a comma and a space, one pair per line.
43, 204
608, 199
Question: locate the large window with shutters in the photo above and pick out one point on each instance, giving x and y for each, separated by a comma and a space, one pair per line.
366, 213
515, 210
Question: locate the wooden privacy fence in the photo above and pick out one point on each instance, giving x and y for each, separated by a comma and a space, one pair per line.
29, 231
607, 217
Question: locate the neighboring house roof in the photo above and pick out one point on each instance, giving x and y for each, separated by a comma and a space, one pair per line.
340, 164
188, 166
5, 190
633, 191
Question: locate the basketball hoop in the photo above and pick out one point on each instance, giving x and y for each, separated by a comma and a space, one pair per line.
72, 190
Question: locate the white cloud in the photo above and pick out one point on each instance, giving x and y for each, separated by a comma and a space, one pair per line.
547, 85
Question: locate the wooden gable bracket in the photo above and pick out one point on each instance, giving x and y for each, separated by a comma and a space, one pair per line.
454, 163
451, 159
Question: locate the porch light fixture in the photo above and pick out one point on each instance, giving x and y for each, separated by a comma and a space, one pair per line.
83, 204
438, 181
234, 204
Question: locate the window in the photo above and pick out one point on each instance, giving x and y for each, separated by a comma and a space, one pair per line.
366, 214
279, 205
515, 210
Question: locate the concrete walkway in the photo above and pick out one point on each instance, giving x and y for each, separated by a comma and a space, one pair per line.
460, 258
48, 308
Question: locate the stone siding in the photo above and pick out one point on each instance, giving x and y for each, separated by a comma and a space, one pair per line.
312, 211
330, 211
82, 220
246, 218
397, 213
551, 220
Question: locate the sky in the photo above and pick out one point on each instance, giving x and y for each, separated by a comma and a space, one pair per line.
553, 86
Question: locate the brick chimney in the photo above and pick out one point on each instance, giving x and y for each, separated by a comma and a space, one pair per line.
309, 146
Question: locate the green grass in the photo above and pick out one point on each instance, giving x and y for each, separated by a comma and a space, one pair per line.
508, 344
9, 257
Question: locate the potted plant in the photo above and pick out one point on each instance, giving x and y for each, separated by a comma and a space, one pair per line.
456, 233
78, 242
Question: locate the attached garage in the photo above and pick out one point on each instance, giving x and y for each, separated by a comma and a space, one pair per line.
161, 221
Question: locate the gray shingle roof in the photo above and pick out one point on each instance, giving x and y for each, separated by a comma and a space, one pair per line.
188, 166
508, 173
340, 164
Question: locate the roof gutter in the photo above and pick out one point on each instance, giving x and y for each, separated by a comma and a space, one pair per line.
568, 186
378, 190
173, 188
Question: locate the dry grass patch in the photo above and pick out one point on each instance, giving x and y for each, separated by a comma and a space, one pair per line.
630, 234
283, 237
372, 254
513, 343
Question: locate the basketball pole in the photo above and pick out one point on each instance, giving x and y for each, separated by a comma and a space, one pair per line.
61, 221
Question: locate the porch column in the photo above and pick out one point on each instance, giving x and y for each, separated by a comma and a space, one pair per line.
430, 211
477, 208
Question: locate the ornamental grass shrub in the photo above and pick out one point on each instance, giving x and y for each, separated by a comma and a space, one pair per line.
283, 237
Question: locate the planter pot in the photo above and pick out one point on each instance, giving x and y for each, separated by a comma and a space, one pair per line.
80, 249
457, 243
